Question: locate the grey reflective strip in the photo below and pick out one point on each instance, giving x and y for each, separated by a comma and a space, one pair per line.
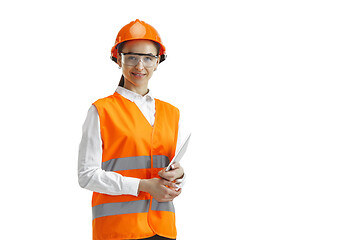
109, 209
162, 206
140, 162
127, 163
160, 161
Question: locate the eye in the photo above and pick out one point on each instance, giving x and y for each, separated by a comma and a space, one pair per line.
131, 58
149, 59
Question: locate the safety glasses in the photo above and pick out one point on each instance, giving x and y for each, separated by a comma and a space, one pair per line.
132, 59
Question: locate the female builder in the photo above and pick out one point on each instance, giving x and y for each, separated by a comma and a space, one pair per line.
128, 139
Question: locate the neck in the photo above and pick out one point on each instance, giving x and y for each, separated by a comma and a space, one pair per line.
142, 90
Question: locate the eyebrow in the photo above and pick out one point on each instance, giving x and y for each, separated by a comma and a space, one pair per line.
140, 54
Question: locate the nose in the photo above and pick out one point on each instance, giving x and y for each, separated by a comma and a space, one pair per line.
139, 65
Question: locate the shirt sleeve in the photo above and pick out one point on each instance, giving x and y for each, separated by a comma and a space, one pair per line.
90, 174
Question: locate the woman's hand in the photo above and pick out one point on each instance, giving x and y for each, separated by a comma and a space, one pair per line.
158, 190
175, 172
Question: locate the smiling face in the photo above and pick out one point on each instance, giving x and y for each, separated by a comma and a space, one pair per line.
138, 76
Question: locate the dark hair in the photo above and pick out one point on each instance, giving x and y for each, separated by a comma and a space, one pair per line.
120, 47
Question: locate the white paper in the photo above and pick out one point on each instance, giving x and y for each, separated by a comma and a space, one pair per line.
180, 153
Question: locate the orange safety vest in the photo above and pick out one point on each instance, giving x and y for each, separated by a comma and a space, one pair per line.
133, 148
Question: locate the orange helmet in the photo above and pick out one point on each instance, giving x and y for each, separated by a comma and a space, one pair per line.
138, 30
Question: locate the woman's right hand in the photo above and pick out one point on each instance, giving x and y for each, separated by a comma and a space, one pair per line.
158, 189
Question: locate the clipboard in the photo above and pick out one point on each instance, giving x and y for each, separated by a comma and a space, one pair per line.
180, 153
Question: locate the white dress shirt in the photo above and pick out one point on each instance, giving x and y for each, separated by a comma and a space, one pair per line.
90, 174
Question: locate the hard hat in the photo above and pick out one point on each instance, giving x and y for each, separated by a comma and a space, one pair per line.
138, 30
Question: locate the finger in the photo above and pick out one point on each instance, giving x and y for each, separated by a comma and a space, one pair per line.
170, 176
167, 183
179, 180
175, 166
161, 173
168, 195
174, 193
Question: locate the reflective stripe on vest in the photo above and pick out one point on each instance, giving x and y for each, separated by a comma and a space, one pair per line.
140, 162
140, 206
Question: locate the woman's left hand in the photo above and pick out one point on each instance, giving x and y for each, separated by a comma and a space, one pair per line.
175, 172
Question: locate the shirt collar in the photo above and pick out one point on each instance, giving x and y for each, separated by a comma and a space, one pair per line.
132, 96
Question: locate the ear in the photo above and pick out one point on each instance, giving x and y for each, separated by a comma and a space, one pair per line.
118, 59
157, 64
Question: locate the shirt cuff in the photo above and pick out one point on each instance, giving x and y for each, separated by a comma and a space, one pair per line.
180, 181
131, 185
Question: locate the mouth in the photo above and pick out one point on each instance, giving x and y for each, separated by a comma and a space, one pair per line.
138, 75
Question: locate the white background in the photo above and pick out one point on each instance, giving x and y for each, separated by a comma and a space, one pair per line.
269, 90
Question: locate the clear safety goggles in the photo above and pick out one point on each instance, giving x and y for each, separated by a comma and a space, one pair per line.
132, 59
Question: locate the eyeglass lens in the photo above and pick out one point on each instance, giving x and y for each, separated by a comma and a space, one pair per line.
133, 60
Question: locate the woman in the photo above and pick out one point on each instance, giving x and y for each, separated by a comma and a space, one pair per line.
128, 139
